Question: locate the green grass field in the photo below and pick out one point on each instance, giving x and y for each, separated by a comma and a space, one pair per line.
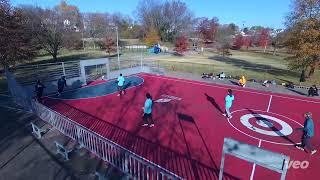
253, 64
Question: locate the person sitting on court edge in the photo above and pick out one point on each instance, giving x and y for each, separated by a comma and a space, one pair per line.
207, 75
242, 81
313, 91
266, 83
222, 75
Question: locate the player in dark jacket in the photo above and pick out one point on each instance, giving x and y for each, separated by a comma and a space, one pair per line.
61, 84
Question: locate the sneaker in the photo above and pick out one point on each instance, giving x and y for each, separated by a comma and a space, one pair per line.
118, 95
151, 125
300, 148
145, 125
224, 114
313, 152
230, 117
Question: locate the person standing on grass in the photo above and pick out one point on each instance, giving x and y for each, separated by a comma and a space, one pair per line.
308, 133
147, 112
229, 99
121, 89
62, 82
39, 87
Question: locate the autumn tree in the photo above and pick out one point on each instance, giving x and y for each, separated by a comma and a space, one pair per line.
109, 45
238, 41
264, 38
247, 41
207, 29
181, 44
303, 37
152, 37
16, 37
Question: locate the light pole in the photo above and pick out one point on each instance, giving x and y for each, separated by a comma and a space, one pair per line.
118, 53
118, 47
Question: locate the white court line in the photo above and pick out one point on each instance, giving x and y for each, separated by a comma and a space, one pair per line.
254, 165
269, 103
236, 88
286, 144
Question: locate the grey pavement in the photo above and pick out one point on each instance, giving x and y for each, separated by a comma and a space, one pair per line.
24, 157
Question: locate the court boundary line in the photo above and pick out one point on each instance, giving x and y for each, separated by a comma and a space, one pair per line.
97, 96
269, 103
86, 86
253, 91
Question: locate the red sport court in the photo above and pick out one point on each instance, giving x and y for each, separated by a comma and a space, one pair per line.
189, 130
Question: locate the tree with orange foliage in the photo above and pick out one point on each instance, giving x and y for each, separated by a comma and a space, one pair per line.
303, 36
152, 37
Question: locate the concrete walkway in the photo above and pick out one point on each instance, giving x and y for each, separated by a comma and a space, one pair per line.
22, 156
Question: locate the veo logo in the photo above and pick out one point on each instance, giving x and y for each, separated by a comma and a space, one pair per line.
298, 164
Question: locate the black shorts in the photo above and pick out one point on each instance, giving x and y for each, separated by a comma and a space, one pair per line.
120, 88
146, 116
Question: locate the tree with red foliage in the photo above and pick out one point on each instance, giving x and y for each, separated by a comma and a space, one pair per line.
181, 44
207, 29
264, 38
247, 41
238, 42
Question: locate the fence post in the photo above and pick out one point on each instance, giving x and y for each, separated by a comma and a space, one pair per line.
126, 162
63, 69
79, 137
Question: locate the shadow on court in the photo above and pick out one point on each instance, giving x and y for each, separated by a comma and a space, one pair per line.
273, 128
213, 102
182, 164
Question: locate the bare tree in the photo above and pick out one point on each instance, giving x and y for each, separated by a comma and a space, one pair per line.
169, 18
95, 26
50, 32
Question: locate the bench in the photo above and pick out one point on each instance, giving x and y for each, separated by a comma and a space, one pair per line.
37, 131
63, 150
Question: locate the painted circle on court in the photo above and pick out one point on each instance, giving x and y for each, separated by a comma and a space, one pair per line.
266, 126
264, 121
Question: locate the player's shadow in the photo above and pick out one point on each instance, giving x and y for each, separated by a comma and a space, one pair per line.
213, 102
273, 128
234, 82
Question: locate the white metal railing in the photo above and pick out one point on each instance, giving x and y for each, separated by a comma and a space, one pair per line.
134, 166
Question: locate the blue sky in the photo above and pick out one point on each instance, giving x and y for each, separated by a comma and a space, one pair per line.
269, 13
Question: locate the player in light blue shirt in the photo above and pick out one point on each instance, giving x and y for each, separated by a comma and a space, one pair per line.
229, 100
121, 89
147, 111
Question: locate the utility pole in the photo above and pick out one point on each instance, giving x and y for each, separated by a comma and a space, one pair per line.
118, 47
